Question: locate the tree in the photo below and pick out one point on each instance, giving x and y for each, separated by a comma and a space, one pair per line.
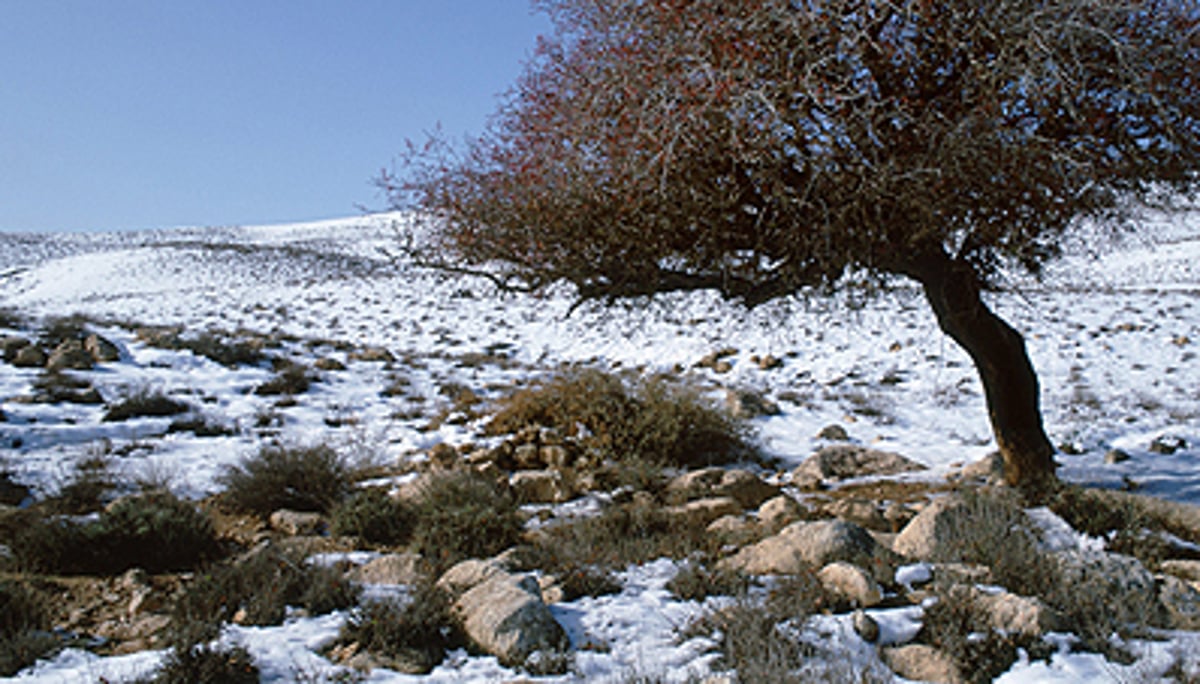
766, 148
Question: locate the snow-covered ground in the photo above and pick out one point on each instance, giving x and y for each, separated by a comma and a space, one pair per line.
1114, 340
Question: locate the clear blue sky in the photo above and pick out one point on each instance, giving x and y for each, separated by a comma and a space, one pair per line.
125, 114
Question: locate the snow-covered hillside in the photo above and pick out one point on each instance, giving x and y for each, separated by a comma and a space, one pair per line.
1114, 339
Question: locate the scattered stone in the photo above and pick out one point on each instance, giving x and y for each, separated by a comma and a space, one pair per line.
11, 345
705, 511
851, 584
297, 523
939, 530
845, 461
747, 404
744, 486
1115, 456
834, 433
506, 617
733, 529
30, 356
392, 568
371, 354
987, 470
767, 362
858, 511
716, 360
922, 663
778, 512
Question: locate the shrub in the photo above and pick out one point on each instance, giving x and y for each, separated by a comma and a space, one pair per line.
61, 329
209, 345
23, 617
462, 515
374, 517
291, 378
417, 632
656, 420
302, 478
261, 586
145, 403
200, 426
205, 664
85, 488
696, 582
752, 642
154, 531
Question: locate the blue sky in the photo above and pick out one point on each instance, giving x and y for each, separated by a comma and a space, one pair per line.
127, 114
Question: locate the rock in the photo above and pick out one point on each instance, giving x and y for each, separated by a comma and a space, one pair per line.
850, 583
11, 345
12, 493
987, 470
69, 355
845, 461
1184, 569
1115, 456
705, 511
805, 545
505, 617
741, 485
858, 511
1180, 603
778, 512
922, 663
865, 626
897, 515
469, 574
733, 529
746, 404
31, 356
443, 455
528, 457
1167, 444
329, 364
767, 362
834, 433
100, 349
540, 486
392, 568
944, 530
1017, 614
297, 523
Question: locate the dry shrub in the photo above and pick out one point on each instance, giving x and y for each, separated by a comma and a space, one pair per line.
416, 632
753, 643
145, 403
460, 515
86, 487
374, 517
312, 478
205, 664
955, 625
697, 581
291, 378
215, 347
1126, 528
654, 419
24, 620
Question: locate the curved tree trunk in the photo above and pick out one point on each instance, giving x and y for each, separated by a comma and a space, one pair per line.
998, 351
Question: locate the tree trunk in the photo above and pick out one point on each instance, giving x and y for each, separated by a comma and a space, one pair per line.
1009, 382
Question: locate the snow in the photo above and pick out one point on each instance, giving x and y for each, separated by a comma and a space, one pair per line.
1114, 340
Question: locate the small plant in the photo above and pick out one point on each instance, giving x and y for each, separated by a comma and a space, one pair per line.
205, 664
954, 625
200, 426
696, 582
462, 515
260, 586
753, 643
23, 624
374, 517
414, 634
87, 486
61, 329
145, 403
656, 420
312, 478
291, 378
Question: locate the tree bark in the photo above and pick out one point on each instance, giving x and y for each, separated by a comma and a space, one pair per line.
1010, 384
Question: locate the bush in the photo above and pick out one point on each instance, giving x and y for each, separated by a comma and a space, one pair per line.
655, 420
417, 632
374, 517
696, 582
303, 478
954, 626
86, 488
23, 619
261, 586
145, 403
209, 345
154, 531
291, 378
462, 515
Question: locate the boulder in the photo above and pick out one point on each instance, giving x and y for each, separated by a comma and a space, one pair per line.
778, 512
746, 404
858, 511
834, 433
1010, 613
506, 617
1184, 569
371, 354
11, 345
845, 461
100, 349
392, 568
30, 356
802, 546
705, 511
987, 470
1180, 603
469, 574
946, 528
923, 663
733, 529
851, 584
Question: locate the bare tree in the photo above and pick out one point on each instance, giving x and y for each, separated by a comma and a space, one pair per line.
765, 148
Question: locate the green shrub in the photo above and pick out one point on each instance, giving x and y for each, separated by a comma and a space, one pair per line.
299, 478
664, 422
462, 515
416, 632
374, 517
23, 621
154, 531
145, 403
261, 585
